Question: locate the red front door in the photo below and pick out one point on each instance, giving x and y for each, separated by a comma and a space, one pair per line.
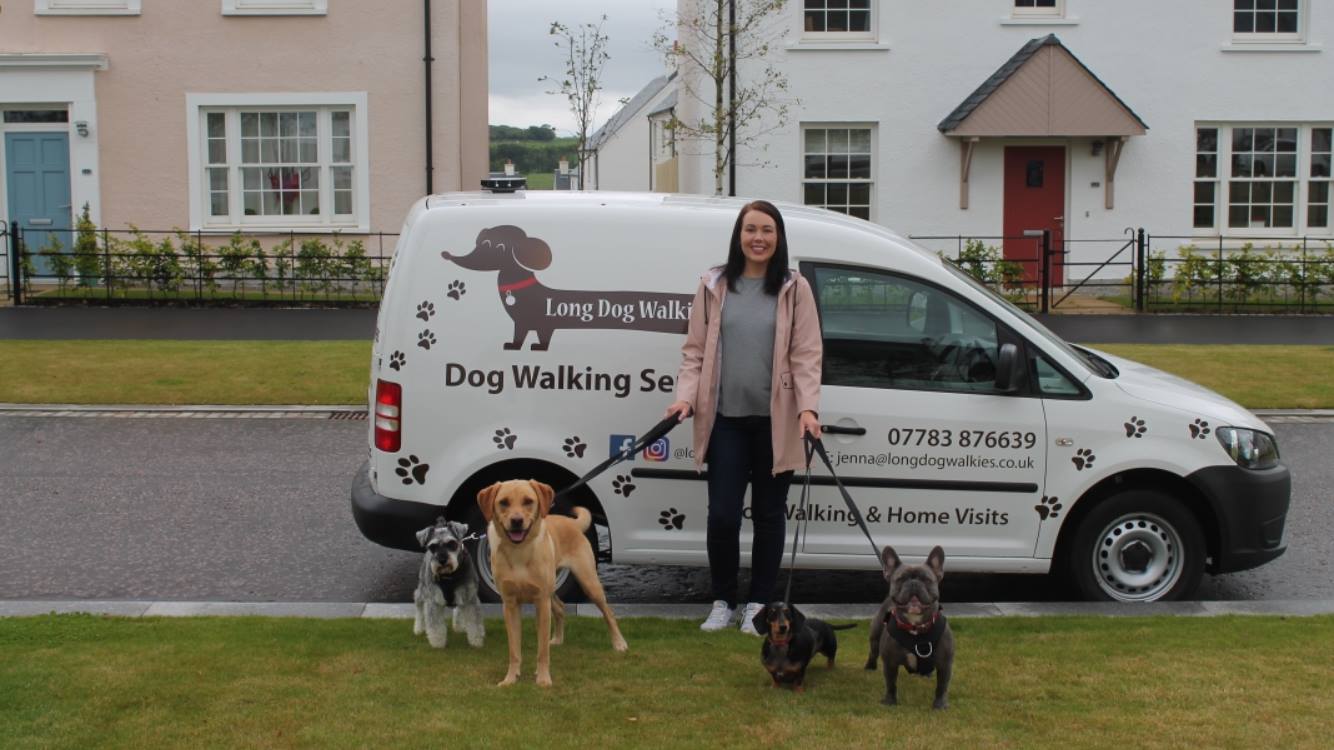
1035, 199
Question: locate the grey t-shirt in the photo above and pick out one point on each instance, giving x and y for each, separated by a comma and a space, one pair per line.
747, 350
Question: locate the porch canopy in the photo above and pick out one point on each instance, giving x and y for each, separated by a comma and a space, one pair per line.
1043, 91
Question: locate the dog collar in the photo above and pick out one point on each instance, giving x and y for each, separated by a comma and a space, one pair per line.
518, 284
919, 629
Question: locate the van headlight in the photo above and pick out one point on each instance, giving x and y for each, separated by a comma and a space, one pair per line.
1251, 449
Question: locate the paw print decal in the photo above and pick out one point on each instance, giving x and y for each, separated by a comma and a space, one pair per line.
672, 519
456, 289
426, 310
504, 439
425, 340
1083, 459
411, 469
622, 485
574, 447
397, 360
1199, 429
1050, 507
1135, 428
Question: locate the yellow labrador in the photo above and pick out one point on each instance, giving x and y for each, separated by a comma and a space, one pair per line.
527, 546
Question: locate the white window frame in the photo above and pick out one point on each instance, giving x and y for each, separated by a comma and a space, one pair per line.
275, 7
1056, 11
197, 108
1258, 37
870, 35
1223, 177
87, 7
803, 180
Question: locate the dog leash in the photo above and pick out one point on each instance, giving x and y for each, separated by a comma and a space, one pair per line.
655, 433
814, 446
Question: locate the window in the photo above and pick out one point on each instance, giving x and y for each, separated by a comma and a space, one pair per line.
87, 7
837, 169
1254, 177
848, 18
1039, 8
276, 165
1318, 192
1267, 20
887, 331
275, 7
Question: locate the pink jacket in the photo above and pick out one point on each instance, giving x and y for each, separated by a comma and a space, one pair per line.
796, 368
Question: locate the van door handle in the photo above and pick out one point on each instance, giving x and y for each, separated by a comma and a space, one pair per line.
39, 222
834, 429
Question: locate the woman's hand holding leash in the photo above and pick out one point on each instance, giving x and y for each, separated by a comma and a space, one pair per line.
810, 424
679, 409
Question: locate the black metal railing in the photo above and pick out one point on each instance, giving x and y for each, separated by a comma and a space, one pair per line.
1230, 274
155, 266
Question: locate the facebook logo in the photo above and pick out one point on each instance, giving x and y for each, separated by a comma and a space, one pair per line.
621, 446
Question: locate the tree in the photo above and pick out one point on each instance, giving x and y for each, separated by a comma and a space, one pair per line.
701, 52
585, 55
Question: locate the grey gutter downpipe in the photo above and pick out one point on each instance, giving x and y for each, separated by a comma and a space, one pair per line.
430, 147
731, 97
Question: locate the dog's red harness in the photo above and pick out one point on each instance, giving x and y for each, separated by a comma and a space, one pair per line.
518, 285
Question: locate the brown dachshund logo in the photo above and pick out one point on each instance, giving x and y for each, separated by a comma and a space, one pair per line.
536, 308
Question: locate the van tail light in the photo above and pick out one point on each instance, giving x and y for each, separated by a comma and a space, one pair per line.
388, 416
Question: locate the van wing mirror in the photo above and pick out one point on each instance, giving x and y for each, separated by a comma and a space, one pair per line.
1009, 369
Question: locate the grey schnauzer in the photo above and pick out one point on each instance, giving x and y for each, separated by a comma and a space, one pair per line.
447, 578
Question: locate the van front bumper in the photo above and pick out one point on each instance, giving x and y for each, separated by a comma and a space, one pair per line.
1251, 507
389, 522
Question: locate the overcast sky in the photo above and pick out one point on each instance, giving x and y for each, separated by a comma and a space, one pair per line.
521, 51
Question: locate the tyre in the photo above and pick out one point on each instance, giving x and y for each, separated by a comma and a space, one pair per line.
567, 588
1138, 546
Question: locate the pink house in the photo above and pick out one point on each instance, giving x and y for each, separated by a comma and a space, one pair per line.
251, 115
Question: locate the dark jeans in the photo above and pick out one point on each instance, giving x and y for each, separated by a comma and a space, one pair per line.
741, 453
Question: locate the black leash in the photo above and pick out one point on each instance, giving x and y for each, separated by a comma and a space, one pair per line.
813, 446
657, 431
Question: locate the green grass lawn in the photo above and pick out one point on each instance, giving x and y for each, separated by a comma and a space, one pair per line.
184, 372
337, 372
85, 681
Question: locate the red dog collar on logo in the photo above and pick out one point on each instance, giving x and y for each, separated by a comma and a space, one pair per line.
518, 285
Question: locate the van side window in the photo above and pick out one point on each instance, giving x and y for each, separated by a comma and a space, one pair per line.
887, 331
1053, 382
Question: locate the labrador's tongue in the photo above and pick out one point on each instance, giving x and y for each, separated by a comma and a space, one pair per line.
516, 536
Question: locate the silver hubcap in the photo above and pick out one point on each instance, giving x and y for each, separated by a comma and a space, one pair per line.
1138, 558
489, 578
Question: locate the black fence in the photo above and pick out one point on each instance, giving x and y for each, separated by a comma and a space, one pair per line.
105, 266
1238, 274
1152, 273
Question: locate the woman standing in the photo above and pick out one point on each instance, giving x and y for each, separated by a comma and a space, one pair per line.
750, 375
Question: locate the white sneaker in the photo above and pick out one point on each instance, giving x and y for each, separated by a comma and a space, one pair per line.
747, 615
719, 618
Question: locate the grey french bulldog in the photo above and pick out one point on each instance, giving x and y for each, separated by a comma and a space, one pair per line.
910, 630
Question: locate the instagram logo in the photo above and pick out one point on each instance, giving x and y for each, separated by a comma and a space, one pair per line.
658, 450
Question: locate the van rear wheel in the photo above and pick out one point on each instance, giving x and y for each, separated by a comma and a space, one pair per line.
567, 588
1138, 546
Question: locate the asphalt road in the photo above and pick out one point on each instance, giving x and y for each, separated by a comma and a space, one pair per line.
191, 509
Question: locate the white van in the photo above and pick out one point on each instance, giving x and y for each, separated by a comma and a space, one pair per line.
533, 335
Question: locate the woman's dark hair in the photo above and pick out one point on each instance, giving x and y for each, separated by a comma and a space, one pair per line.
736, 260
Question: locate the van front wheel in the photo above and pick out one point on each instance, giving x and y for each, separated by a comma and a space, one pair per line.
567, 588
1138, 546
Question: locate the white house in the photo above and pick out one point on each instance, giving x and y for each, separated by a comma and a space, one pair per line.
633, 151
992, 117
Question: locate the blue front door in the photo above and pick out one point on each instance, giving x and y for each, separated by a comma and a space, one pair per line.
37, 181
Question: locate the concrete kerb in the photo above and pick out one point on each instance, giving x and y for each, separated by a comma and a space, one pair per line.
381, 611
